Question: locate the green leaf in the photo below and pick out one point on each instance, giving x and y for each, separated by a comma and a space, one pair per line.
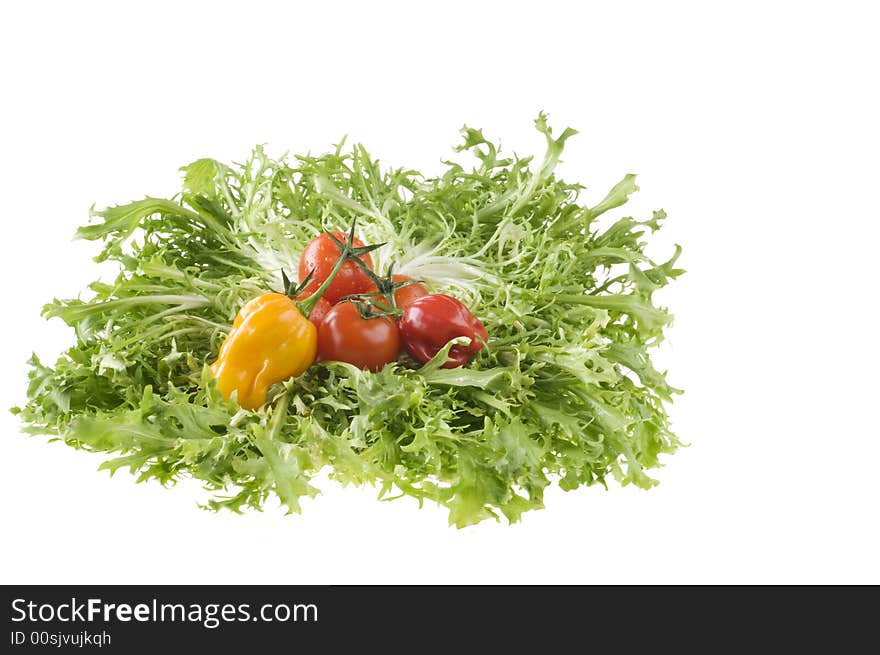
200, 177
565, 391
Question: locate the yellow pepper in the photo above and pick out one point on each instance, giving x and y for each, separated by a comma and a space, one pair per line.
270, 341
272, 338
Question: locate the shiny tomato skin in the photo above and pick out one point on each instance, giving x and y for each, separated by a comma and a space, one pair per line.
404, 295
430, 322
319, 311
321, 255
368, 343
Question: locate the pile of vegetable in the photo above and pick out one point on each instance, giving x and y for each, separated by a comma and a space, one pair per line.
492, 338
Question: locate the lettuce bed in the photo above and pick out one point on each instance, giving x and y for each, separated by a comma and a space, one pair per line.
565, 392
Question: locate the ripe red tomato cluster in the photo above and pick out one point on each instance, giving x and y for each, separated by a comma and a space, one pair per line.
428, 320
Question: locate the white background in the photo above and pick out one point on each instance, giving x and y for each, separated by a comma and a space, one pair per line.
755, 126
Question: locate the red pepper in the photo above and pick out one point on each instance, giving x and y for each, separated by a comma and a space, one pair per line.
429, 323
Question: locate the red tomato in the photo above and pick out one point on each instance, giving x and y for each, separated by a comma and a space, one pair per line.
345, 336
319, 311
432, 321
321, 254
404, 295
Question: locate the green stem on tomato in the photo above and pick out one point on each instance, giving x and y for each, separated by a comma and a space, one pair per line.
385, 286
384, 310
347, 252
306, 306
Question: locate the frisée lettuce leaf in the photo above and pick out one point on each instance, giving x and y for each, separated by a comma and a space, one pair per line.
565, 391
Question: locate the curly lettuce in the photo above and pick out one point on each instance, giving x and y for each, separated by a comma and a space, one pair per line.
565, 392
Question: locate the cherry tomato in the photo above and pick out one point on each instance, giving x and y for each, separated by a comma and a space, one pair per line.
404, 295
430, 322
319, 311
345, 336
321, 255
